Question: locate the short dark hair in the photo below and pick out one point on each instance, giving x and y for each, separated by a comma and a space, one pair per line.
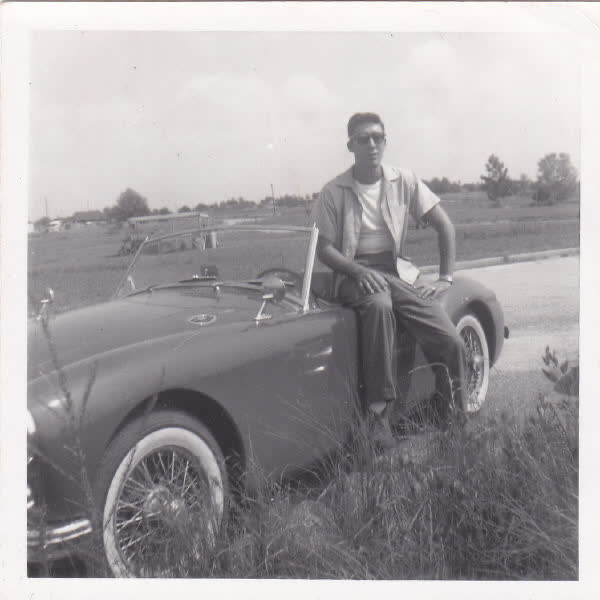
359, 118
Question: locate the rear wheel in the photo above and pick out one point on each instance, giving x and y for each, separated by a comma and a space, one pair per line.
164, 489
477, 374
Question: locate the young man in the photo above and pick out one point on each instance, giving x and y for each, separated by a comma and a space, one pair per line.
362, 216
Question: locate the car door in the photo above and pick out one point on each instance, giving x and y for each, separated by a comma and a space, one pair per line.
303, 386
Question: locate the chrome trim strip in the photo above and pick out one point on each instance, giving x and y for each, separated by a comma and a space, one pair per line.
308, 269
58, 535
31, 427
325, 352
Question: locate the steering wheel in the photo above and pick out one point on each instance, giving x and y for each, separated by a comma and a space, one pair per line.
290, 278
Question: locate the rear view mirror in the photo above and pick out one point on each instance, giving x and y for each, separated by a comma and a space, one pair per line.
275, 288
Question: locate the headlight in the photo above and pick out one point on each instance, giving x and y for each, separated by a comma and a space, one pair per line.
31, 429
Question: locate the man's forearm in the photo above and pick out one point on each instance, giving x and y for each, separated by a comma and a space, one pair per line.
447, 246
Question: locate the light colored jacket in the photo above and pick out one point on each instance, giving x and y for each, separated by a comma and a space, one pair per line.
338, 212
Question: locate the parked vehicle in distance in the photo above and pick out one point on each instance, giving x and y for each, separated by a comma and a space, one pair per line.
145, 411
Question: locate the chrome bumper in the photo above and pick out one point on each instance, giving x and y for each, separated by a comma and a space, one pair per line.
54, 542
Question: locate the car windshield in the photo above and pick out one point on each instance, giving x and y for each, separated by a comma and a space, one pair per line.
226, 254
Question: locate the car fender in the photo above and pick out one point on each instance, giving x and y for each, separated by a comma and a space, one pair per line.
101, 393
468, 295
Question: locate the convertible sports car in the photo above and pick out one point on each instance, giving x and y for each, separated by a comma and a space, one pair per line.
221, 348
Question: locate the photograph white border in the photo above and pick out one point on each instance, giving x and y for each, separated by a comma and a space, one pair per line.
578, 22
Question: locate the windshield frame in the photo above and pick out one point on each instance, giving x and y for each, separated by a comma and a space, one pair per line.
309, 262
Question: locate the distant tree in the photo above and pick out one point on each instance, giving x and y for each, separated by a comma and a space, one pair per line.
443, 185
236, 203
112, 213
161, 211
556, 179
496, 182
131, 204
523, 185
184, 209
201, 207
435, 185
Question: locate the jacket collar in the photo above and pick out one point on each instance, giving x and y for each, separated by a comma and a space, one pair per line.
347, 180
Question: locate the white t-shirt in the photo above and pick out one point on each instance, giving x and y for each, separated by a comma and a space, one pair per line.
375, 235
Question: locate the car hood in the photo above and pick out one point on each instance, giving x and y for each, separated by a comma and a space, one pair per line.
174, 313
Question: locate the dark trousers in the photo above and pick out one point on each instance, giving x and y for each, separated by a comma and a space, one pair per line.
424, 319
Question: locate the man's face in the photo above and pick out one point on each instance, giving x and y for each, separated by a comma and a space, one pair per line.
367, 144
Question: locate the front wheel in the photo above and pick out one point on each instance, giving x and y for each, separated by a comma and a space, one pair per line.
477, 374
164, 487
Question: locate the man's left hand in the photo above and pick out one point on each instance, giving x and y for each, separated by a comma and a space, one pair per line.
432, 289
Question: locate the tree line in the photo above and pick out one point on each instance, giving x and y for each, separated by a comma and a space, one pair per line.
557, 180
132, 204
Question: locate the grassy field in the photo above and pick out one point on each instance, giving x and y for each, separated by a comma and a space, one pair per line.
82, 267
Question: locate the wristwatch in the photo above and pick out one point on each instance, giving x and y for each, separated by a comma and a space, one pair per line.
447, 278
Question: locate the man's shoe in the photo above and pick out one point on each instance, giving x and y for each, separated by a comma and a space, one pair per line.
446, 415
380, 432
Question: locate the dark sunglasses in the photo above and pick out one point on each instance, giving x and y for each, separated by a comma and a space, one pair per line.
363, 140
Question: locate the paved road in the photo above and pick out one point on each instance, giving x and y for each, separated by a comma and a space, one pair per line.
541, 307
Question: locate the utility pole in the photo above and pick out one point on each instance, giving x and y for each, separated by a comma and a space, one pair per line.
273, 198
46, 202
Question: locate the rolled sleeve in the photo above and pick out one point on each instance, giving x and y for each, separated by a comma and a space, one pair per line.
324, 216
422, 200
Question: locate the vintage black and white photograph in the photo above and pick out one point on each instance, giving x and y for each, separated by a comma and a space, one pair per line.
304, 304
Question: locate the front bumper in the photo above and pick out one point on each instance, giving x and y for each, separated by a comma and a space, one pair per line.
48, 539
56, 541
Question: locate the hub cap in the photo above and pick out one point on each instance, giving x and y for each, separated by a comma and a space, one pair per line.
475, 367
164, 514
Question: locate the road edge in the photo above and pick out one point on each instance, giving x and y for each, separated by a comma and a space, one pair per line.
506, 259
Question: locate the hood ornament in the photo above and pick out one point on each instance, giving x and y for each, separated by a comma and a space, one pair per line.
203, 319
44, 313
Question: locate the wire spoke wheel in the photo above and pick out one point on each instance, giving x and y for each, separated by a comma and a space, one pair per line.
477, 356
164, 505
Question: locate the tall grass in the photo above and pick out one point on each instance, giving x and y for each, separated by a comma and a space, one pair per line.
497, 499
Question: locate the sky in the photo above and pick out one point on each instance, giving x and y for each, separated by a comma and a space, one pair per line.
189, 117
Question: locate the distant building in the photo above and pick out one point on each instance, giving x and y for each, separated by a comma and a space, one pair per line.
55, 225
169, 223
88, 217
